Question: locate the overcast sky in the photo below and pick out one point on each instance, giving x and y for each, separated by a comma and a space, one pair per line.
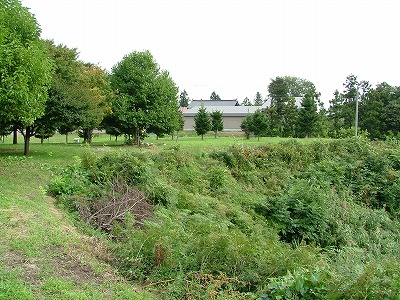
235, 47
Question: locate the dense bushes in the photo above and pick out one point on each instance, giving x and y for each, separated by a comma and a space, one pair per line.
232, 223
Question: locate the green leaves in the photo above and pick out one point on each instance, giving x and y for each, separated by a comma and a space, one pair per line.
147, 96
25, 71
256, 123
217, 122
202, 121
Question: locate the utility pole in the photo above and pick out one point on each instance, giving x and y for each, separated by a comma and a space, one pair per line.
356, 133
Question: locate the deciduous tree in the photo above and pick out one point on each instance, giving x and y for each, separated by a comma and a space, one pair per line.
63, 107
25, 69
246, 125
94, 87
144, 94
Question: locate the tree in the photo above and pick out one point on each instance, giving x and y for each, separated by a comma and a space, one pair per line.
258, 100
63, 107
246, 125
259, 124
283, 111
246, 102
44, 129
256, 123
278, 91
215, 96
343, 107
202, 122
335, 113
94, 88
25, 70
5, 129
184, 99
145, 96
308, 117
165, 118
380, 111
217, 122
111, 126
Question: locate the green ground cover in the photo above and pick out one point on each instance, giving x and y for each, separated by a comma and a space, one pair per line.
42, 254
229, 218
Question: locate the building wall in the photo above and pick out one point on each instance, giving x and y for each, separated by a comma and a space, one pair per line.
230, 123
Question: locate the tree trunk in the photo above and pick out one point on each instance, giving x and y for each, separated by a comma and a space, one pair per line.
136, 142
41, 140
215, 134
66, 138
87, 135
27, 138
15, 135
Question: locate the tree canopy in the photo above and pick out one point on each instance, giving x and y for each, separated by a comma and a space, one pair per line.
308, 117
217, 121
258, 99
202, 122
256, 123
145, 98
283, 112
25, 69
246, 102
184, 99
214, 96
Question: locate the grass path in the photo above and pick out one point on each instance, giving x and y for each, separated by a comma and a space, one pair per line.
42, 255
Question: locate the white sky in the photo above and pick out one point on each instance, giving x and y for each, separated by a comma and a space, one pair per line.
235, 47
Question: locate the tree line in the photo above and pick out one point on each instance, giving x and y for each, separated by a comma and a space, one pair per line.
44, 88
295, 110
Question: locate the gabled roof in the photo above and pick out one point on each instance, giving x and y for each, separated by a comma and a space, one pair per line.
206, 103
227, 111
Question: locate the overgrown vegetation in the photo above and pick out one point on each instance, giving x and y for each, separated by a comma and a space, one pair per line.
278, 221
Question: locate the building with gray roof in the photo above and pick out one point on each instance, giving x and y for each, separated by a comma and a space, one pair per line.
233, 114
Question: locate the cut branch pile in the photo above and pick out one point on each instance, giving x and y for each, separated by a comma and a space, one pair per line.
113, 207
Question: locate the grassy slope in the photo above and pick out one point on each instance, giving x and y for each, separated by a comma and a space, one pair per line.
42, 254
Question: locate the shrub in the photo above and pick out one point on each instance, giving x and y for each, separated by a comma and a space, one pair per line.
300, 284
74, 180
299, 211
